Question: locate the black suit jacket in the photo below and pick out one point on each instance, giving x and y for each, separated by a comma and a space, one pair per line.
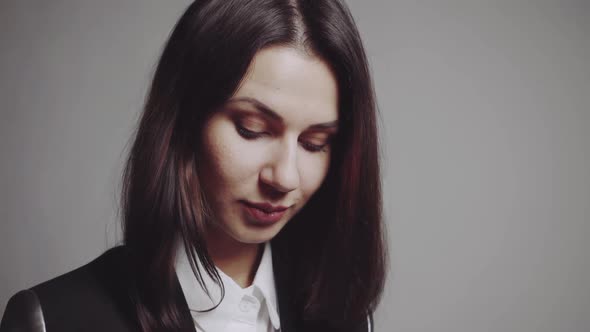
94, 298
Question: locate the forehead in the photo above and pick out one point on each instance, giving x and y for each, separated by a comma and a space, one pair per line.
299, 87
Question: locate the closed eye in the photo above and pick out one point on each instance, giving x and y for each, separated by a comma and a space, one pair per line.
252, 135
314, 147
248, 134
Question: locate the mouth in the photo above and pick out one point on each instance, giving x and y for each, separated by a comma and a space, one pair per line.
266, 207
264, 213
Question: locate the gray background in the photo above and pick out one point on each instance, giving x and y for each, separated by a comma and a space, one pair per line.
485, 112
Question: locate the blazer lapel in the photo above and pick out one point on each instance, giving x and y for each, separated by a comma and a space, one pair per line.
280, 262
186, 320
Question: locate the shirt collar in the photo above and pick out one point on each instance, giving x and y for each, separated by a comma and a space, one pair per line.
264, 280
198, 300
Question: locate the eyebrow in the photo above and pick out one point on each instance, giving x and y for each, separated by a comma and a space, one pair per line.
264, 109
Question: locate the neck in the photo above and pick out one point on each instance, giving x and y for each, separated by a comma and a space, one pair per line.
237, 260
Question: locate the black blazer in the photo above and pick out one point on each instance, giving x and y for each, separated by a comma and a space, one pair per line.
94, 298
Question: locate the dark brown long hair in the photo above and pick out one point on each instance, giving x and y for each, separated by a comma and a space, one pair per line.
335, 244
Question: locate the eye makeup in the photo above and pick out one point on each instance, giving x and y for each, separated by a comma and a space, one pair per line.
252, 125
316, 142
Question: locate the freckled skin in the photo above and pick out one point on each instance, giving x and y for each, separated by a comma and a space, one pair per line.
276, 167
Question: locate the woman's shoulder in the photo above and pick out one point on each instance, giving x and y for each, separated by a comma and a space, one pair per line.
93, 296
101, 272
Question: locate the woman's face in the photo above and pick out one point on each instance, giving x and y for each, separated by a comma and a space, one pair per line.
267, 151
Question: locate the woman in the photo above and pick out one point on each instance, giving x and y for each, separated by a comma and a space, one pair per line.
251, 195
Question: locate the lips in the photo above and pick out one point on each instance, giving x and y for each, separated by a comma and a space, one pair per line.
264, 213
266, 207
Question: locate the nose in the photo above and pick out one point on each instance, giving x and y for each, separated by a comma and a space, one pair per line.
281, 172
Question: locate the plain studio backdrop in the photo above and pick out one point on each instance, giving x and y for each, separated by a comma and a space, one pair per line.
485, 118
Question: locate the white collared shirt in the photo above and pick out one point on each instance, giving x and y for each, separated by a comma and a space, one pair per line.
251, 309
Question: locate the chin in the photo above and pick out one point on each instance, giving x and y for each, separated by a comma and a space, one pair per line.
256, 235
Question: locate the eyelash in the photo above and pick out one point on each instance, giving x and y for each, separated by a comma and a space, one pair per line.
251, 135
248, 134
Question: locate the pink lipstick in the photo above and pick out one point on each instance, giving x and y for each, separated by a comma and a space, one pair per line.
264, 213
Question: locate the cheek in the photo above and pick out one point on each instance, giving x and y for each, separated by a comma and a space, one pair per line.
231, 161
313, 170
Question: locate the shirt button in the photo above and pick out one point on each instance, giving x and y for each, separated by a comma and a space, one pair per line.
248, 303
